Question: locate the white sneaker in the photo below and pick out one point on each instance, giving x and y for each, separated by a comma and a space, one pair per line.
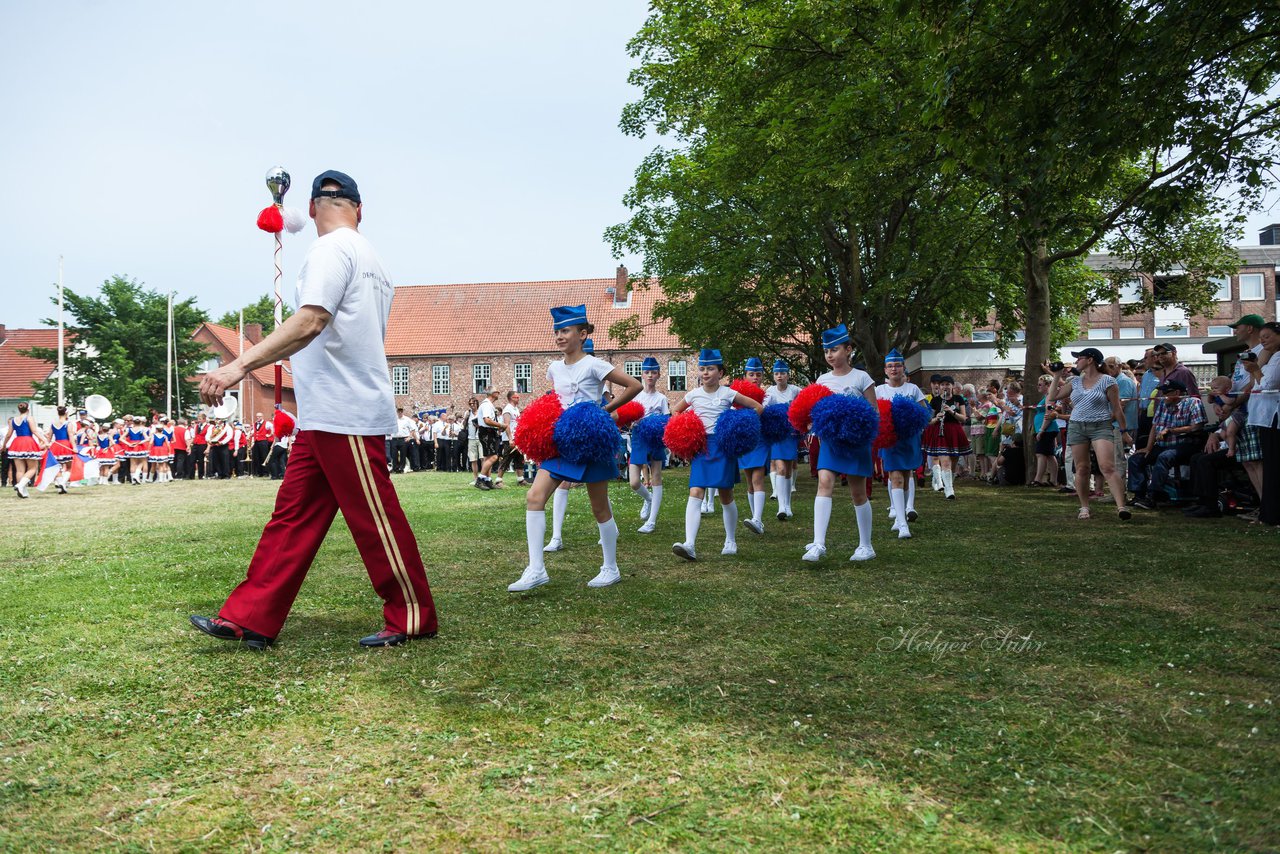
708, 508
553, 546
891, 512
62, 487
730, 548
22, 490
753, 526
609, 575
644, 509
529, 579
863, 553
646, 528
904, 533
814, 552
684, 551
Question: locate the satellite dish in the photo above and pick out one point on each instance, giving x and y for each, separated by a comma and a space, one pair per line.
97, 406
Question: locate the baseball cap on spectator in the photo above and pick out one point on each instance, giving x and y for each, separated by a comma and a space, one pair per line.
346, 188
1165, 348
1254, 320
1090, 352
1173, 385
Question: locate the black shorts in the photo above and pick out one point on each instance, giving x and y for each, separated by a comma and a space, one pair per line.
490, 441
1047, 443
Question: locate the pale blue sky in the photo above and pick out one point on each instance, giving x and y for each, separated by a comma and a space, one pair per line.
136, 136
485, 139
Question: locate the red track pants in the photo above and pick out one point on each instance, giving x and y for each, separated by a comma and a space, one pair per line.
328, 472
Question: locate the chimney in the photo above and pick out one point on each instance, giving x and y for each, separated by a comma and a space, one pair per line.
622, 288
1270, 236
253, 331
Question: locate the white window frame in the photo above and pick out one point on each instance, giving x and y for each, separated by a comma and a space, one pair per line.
481, 372
1223, 293
631, 367
1182, 331
1130, 292
1102, 334
210, 364
399, 379
982, 336
440, 383
523, 374
677, 370
1256, 286
1133, 332
1220, 331
1020, 336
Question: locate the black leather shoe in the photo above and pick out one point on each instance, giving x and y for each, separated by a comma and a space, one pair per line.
386, 637
227, 630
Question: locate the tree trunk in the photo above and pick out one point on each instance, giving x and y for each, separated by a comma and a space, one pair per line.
1035, 275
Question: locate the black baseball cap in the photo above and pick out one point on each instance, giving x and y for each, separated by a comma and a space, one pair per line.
1165, 348
346, 188
1092, 352
1173, 385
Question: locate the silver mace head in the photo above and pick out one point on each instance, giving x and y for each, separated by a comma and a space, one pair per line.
278, 184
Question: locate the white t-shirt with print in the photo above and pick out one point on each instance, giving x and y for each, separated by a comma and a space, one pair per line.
773, 394
583, 380
884, 391
710, 404
340, 378
853, 383
654, 401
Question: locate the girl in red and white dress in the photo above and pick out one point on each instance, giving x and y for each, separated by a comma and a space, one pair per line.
161, 453
26, 450
60, 445
105, 453
135, 439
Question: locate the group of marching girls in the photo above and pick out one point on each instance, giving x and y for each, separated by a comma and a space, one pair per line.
724, 430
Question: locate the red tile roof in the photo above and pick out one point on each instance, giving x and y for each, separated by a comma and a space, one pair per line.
18, 372
229, 341
512, 317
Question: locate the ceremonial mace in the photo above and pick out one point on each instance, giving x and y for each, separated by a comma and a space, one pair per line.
278, 184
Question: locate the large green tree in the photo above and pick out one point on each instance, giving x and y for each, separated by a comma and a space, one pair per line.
1107, 125
261, 311
802, 190
118, 347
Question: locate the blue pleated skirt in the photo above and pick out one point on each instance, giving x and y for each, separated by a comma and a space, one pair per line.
758, 458
712, 468
592, 472
843, 460
787, 449
906, 455
642, 454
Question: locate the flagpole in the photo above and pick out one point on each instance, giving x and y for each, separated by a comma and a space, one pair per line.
168, 358
177, 379
61, 397
240, 387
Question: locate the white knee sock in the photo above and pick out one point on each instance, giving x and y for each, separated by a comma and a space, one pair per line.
642, 491
729, 512
535, 528
937, 476
773, 481
863, 514
821, 519
784, 493
757, 505
654, 504
898, 498
948, 482
692, 520
609, 541
559, 503
911, 492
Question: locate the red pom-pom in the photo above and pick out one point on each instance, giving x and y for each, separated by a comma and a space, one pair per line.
803, 405
536, 427
628, 413
282, 423
270, 220
886, 438
747, 388
685, 436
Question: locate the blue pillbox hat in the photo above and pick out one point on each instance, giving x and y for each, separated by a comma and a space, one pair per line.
753, 364
893, 356
649, 364
709, 357
835, 337
780, 366
568, 315
588, 346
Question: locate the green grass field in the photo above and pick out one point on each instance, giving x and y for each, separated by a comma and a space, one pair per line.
1010, 679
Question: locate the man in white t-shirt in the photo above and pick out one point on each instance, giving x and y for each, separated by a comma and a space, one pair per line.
338, 460
510, 415
490, 432
400, 441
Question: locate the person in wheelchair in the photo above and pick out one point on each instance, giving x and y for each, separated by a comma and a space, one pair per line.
1176, 435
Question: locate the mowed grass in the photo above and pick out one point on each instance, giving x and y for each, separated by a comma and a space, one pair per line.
1010, 679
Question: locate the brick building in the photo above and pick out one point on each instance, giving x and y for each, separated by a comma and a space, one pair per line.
18, 372
224, 345
972, 357
449, 342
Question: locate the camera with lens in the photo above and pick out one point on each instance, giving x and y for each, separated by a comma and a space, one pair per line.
1055, 366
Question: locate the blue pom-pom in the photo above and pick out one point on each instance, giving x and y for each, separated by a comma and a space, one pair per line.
738, 431
586, 434
846, 419
648, 430
909, 417
774, 424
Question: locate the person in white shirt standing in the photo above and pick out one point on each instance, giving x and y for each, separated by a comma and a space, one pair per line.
905, 456
783, 454
489, 429
338, 462
510, 415
400, 441
643, 456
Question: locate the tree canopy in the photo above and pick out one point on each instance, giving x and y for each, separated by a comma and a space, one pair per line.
261, 311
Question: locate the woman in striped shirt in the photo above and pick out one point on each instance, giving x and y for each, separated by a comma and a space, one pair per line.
1095, 404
